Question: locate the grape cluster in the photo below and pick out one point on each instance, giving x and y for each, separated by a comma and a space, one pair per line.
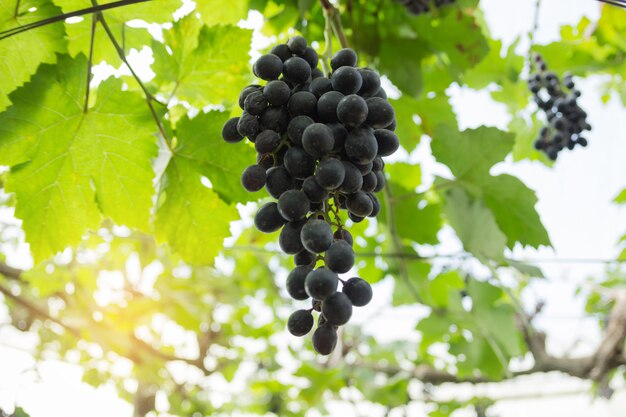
566, 119
417, 7
320, 142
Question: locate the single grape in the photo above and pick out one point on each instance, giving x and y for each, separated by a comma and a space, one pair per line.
305, 258
303, 103
371, 82
248, 125
278, 181
300, 322
314, 192
277, 93
229, 131
297, 45
268, 67
387, 142
324, 339
337, 309
316, 236
275, 118
321, 283
299, 163
346, 80
353, 179
319, 86
267, 141
339, 257
359, 291
361, 145
296, 70
289, 239
255, 103
317, 140
253, 178
360, 204
345, 57
379, 112
343, 234
295, 282
268, 219
369, 182
293, 205
330, 174
352, 110
282, 51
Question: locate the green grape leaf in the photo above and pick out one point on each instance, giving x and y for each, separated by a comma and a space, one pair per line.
214, 12
513, 205
207, 65
457, 35
621, 197
69, 166
471, 153
191, 218
429, 111
418, 276
200, 142
401, 60
495, 68
20, 55
494, 316
79, 33
474, 224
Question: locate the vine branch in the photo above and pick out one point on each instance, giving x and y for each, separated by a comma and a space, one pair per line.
62, 17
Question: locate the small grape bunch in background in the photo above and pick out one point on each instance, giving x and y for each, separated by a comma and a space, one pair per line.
559, 101
320, 142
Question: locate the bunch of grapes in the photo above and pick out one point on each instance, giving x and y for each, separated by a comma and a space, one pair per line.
417, 7
320, 143
567, 120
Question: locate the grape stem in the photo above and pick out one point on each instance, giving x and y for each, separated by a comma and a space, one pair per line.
332, 15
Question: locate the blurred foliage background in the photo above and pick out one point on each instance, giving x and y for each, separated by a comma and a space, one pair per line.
152, 280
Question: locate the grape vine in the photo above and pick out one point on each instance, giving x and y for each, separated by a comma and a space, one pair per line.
320, 142
567, 120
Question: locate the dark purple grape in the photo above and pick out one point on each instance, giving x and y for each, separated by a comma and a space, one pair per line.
268, 219
295, 282
358, 291
324, 339
300, 322
321, 283
316, 236
337, 309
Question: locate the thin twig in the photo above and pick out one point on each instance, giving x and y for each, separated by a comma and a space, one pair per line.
149, 97
17, 9
62, 17
94, 21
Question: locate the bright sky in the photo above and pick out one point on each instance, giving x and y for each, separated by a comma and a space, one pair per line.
574, 204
